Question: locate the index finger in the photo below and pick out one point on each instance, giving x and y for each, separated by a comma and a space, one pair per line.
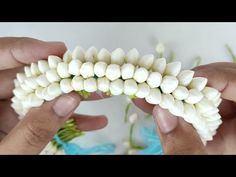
18, 51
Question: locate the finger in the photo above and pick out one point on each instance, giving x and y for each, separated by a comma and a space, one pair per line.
143, 105
89, 123
223, 79
39, 126
15, 51
7, 81
177, 136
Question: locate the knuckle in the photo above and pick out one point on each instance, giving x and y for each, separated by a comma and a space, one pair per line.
35, 134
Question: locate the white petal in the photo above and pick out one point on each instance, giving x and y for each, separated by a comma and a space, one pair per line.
39, 92
113, 72
43, 66
116, 87
198, 83
42, 80
104, 55
146, 61
194, 96
54, 89
74, 67
20, 77
210, 93
189, 113
34, 69
91, 54
53, 61
141, 74
62, 70
78, 53
118, 56
100, 69
26, 88
52, 75
180, 93
65, 85
127, 71
173, 68
154, 96
34, 100
27, 71
19, 92
31, 82
204, 106
103, 84
185, 77
130, 87
16, 83
67, 57
217, 102
143, 90
77, 83
169, 84
159, 65
167, 101
132, 56
46, 96
90, 85
177, 108
154, 79
87, 70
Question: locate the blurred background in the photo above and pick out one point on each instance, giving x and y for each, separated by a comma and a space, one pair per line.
186, 40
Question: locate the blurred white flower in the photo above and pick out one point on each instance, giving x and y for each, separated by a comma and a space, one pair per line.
133, 118
126, 144
160, 48
132, 152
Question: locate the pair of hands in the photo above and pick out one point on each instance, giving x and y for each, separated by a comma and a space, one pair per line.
32, 134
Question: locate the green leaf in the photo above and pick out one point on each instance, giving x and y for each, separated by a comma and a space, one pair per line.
230, 50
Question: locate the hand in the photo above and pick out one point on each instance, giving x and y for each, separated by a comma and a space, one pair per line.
38, 127
179, 137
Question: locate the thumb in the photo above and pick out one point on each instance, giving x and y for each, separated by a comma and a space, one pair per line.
176, 135
39, 126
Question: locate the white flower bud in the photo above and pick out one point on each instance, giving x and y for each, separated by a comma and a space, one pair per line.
173, 68
198, 83
133, 118
154, 79
130, 87
39, 92
116, 87
104, 55
90, 85
34, 69
132, 56
65, 85
46, 96
31, 82
180, 93
189, 113
87, 70
74, 67
43, 66
78, 53
167, 101
113, 72
103, 84
67, 57
77, 83
194, 96
204, 106
177, 108
62, 70
159, 65
91, 54
185, 77
42, 80
26, 88
52, 76
143, 90
54, 90
100, 69
19, 92
27, 71
34, 101
141, 75
160, 48
118, 56
20, 77
53, 61
127, 71
154, 96
169, 84
146, 61
210, 93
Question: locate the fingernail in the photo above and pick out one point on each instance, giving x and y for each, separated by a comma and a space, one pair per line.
65, 105
165, 120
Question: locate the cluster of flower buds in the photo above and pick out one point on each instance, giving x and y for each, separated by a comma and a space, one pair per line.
116, 73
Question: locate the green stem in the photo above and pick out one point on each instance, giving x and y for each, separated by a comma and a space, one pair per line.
197, 61
126, 112
230, 50
133, 145
171, 57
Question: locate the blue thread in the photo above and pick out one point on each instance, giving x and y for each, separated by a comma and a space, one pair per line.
152, 141
75, 149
